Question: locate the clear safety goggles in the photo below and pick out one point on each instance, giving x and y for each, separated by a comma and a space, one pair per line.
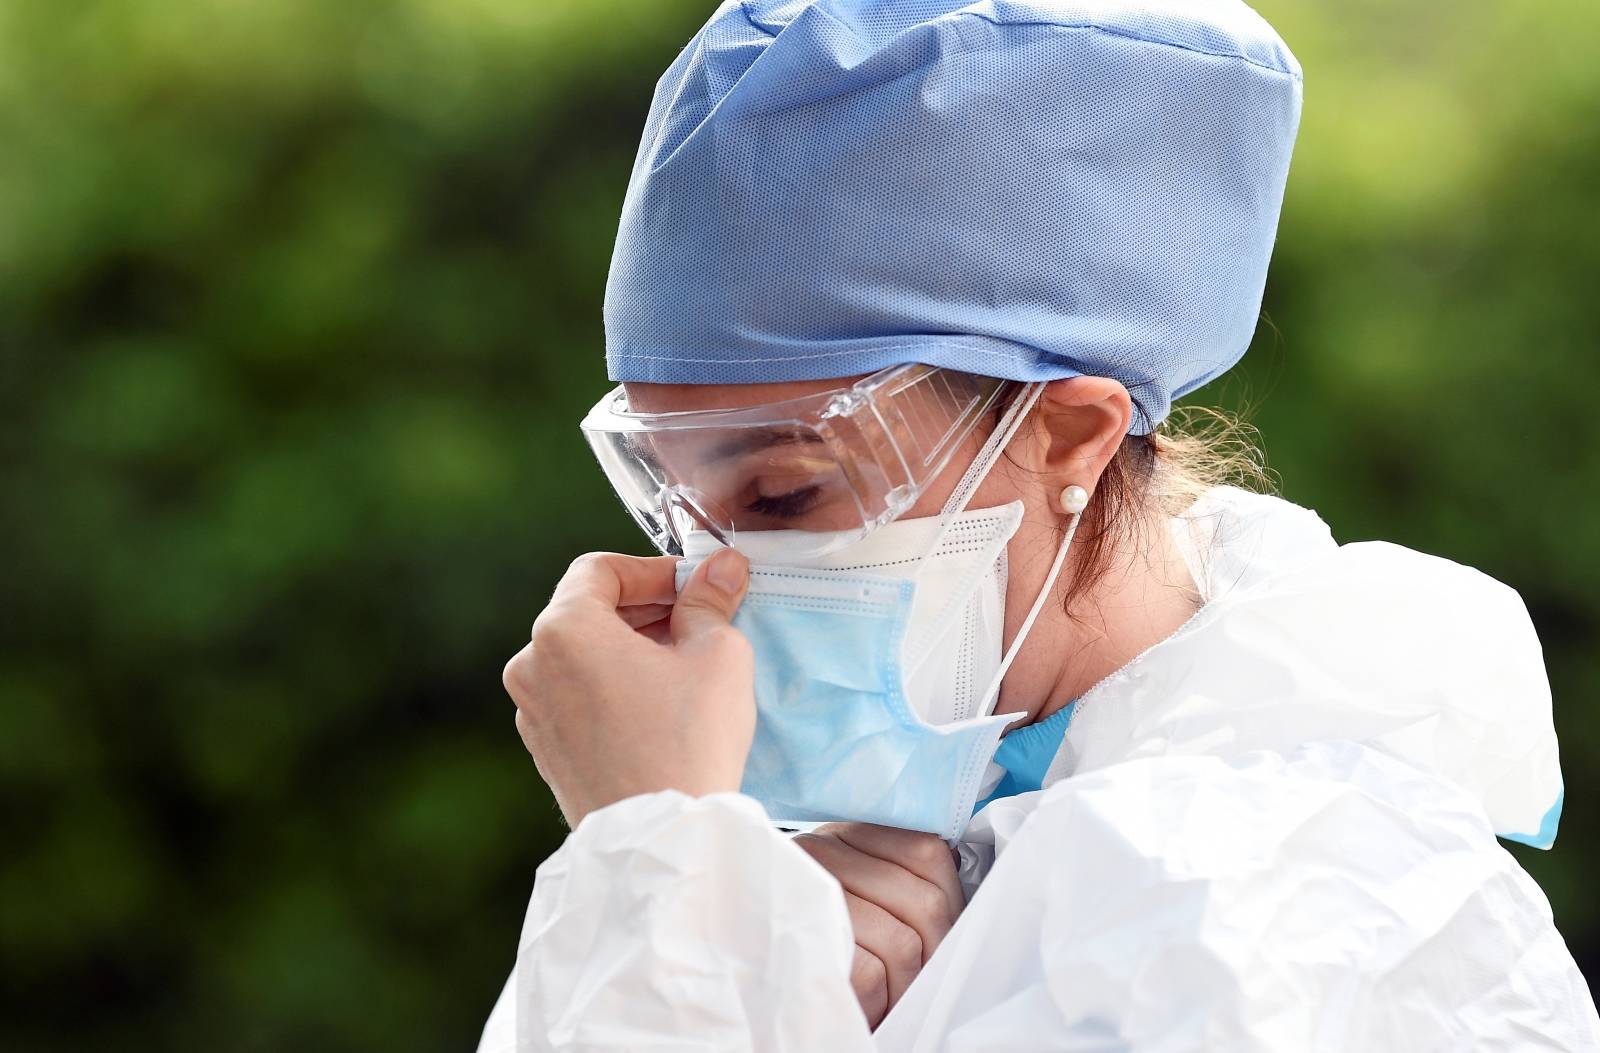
827, 468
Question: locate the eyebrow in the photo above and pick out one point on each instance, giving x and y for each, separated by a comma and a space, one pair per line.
742, 443
761, 439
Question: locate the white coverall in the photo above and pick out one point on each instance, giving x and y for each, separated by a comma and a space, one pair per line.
1274, 830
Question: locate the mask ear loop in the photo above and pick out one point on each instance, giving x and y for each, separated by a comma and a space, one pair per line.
988, 455
1074, 499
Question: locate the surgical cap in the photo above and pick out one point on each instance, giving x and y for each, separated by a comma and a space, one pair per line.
1026, 189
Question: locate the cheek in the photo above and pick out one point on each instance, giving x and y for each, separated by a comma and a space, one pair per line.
1004, 484
932, 500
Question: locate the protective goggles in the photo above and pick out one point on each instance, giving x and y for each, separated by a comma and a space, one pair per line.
827, 468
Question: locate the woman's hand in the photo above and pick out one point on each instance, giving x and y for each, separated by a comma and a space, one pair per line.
627, 689
903, 896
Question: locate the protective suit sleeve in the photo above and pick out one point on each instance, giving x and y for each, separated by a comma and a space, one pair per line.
1334, 899
667, 922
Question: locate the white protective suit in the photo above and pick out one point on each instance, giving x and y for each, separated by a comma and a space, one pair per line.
1274, 830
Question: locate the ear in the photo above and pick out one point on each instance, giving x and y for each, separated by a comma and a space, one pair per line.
1079, 424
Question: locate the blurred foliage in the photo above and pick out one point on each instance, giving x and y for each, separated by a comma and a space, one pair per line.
299, 308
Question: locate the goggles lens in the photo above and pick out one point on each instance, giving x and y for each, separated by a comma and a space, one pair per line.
829, 467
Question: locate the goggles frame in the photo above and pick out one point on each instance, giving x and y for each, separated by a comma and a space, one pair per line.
888, 436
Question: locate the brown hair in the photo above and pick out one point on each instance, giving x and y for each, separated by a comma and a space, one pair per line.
1158, 475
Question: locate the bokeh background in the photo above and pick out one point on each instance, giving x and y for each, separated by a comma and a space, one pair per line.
299, 309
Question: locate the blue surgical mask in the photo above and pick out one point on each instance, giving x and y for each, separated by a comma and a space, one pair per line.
836, 738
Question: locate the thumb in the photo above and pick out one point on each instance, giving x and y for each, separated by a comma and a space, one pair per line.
711, 595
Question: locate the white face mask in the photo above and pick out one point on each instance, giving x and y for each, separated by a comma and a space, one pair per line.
956, 630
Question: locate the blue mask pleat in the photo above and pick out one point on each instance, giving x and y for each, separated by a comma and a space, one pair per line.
835, 737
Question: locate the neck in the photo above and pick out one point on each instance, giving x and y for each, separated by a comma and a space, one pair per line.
1145, 596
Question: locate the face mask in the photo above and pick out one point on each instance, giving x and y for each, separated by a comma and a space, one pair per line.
955, 627
842, 649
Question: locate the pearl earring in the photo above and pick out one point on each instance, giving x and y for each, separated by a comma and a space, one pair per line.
1074, 499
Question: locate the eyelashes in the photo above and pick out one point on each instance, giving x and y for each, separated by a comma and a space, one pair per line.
785, 506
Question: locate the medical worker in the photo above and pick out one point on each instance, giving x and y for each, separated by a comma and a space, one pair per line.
964, 710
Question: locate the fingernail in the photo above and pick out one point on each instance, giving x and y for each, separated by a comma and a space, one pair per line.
726, 571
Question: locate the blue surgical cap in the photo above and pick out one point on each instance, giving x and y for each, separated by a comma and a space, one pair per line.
1027, 189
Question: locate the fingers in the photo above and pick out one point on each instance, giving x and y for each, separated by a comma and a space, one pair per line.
515, 675
657, 632
926, 855
644, 614
712, 594
870, 981
639, 590
525, 730
895, 945
912, 900
612, 580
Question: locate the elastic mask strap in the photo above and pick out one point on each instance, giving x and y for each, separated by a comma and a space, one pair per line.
988, 456
991, 696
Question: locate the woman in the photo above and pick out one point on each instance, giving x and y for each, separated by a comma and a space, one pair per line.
901, 298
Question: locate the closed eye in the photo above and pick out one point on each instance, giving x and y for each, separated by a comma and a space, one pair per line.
791, 505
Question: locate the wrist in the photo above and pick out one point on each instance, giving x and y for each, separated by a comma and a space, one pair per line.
577, 809
651, 807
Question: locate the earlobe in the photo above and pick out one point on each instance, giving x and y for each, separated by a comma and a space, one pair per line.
1074, 499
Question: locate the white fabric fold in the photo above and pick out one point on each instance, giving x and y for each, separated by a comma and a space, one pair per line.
1274, 830
674, 923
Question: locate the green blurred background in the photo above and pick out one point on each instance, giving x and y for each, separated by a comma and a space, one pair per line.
299, 308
